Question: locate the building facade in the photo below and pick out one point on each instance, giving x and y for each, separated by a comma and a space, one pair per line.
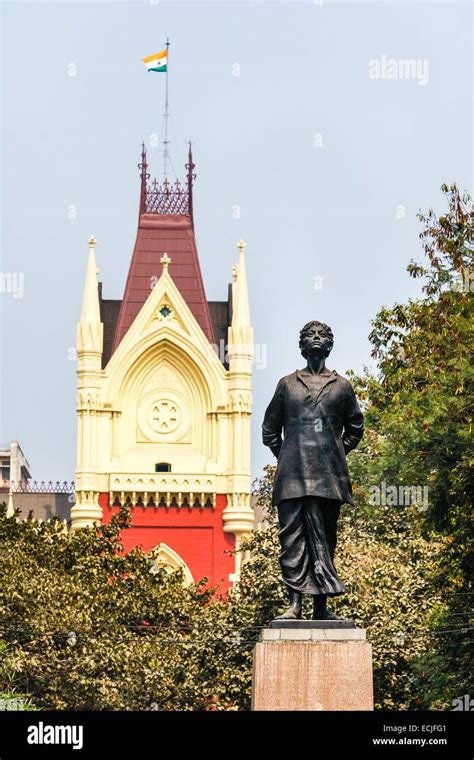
42, 500
15, 468
163, 412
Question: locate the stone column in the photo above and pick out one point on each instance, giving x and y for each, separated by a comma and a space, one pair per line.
312, 665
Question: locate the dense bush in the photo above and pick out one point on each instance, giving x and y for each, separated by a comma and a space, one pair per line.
419, 428
88, 627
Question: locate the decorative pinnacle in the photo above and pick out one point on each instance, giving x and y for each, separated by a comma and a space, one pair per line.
235, 271
165, 260
241, 246
92, 241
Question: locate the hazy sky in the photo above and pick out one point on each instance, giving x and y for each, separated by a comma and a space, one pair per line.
294, 120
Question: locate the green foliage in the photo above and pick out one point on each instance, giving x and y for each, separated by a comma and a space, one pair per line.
419, 427
419, 415
85, 626
10, 697
389, 572
89, 627
408, 566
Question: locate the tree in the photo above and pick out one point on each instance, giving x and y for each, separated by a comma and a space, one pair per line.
10, 697
89, 627
406, 560
389, 572
419, 422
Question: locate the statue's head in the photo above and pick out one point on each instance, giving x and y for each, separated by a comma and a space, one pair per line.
316, 338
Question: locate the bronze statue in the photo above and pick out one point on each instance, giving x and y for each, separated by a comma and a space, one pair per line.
318, 411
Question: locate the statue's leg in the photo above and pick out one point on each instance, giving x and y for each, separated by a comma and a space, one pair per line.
294, 610
294, 561
321, 611
319, 602
321, 523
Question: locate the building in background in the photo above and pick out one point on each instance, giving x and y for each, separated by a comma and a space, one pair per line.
164, 396
42, 499
15, 468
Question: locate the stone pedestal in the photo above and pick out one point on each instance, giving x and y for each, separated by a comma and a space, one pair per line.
312, 665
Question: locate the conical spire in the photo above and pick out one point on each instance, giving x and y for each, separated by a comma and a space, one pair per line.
90, 328
90, 302
240, 296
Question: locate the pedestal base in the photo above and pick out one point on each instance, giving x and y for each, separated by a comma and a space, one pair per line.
312, 665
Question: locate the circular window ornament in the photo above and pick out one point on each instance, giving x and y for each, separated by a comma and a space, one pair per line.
165, 311
164, 416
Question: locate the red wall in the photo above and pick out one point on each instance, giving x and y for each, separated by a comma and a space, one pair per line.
195, 534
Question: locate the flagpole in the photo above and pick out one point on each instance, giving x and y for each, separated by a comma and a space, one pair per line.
166, 152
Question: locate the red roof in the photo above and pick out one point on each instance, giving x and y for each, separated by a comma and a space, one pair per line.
159, 234
165, 225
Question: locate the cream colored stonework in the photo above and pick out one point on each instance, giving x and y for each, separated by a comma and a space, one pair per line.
167, 558
164, 397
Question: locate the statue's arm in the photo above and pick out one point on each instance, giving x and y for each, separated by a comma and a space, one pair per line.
273, 421
353, 422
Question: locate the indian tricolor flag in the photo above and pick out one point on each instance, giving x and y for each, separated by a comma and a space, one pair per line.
157, 62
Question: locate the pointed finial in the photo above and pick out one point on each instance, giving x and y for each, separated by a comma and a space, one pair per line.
144, 177
90, 311
165, 260
190, 166
235, 271
240, 299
